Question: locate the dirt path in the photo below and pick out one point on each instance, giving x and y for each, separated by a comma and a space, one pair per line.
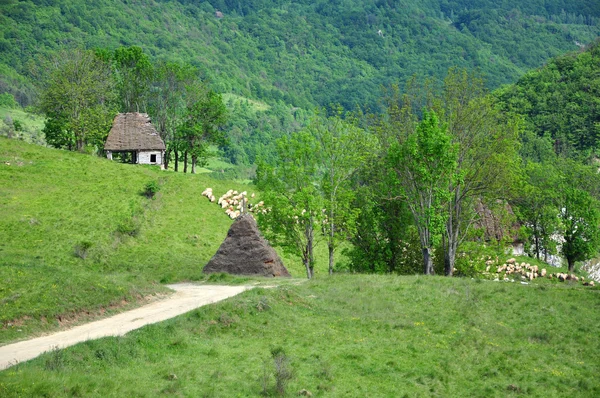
187, 297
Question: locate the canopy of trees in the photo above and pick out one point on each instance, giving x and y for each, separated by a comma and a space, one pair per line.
304, 53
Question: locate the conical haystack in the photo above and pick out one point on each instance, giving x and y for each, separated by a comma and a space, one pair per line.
246, 252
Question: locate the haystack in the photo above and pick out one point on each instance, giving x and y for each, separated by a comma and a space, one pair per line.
246, 252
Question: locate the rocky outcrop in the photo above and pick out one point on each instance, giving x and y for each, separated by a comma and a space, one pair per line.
246, 252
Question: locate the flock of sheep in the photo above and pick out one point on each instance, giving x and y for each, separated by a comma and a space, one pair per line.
235, 203
529, 272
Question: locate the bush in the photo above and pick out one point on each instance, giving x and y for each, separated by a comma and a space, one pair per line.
82, 248
151, 189
8, 100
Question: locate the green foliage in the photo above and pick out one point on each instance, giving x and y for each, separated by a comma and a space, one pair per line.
290, 191
560, 103
343, 148
151, 189
133, 72
76, 99
579, 212
305, 53
424, 162
202, 125
537, 209
8, 101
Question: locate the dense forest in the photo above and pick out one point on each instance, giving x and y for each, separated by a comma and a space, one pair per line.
301, 53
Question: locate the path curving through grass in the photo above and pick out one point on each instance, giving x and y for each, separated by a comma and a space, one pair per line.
187, 297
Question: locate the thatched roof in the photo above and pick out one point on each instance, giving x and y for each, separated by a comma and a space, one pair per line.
245, 252
133, 131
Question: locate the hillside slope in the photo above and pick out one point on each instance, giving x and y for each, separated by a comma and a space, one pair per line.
76, 234
302, 53
346, 336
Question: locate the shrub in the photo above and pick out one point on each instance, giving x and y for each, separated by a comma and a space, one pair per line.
283, 371
151, 189
82, 248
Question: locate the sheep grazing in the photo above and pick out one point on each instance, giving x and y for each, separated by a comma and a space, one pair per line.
511, 261
543, 273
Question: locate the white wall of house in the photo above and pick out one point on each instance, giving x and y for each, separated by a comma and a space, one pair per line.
146, 157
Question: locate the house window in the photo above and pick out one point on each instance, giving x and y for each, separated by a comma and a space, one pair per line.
152, 158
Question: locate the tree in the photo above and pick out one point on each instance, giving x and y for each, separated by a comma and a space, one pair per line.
202, 125
487, 153
289, 183
77, 98
167, 102
425, 162
133, 75
580, 214
537, 208
343, 148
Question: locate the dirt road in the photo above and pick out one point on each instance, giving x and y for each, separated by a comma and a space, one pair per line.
187, 297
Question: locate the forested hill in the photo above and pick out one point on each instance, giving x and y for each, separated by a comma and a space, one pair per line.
304, 53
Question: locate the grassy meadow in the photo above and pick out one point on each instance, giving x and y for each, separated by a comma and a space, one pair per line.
78, 239
346, 336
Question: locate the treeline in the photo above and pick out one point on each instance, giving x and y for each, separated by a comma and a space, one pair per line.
411, 189
81, 92
84, 90
303, 54
561, 105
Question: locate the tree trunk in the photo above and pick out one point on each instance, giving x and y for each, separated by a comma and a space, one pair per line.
308, 252
331, 244
537, 246
176, 159
80, 144
194, 159
427, 261
331, 249
449, 259
167, 156
185, 159
571, 263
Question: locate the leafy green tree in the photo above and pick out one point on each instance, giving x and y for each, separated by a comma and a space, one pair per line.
425, 162
133, 71
202, 125
77, 98
487, 145
579, 212
167, 101
343, 149
537, 208
289, 183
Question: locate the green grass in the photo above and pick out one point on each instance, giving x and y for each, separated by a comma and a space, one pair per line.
32, 125
347, 336
55, 203
234, 99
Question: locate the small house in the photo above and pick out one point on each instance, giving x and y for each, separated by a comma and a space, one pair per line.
134, 133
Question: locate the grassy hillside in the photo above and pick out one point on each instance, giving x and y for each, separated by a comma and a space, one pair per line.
77, 236
347, 336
